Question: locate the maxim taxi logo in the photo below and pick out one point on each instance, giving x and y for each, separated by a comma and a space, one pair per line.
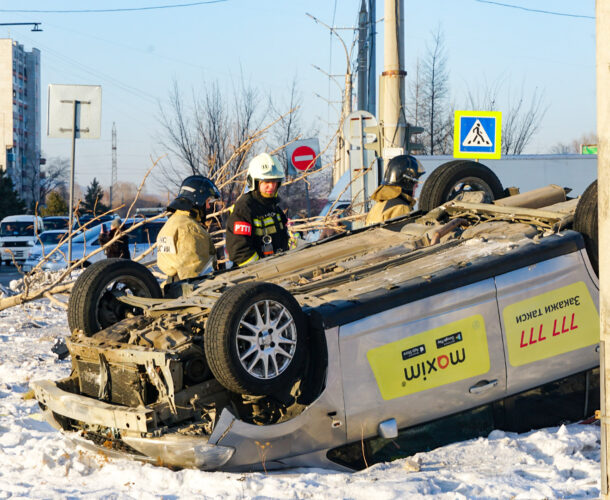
429, 366
433, 358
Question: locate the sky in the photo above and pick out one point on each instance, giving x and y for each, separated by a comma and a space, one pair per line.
520, 46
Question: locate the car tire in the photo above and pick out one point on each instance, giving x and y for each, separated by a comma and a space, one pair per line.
93, 305
451, 178
258, 359
585, 222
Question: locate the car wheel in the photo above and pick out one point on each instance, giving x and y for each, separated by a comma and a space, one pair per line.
255, 339
93, 303
452, 178
585, 222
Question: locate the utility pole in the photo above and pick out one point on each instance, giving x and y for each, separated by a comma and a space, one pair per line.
363, 25
341, 155
113, 176
371, 105
602, 15
392, 82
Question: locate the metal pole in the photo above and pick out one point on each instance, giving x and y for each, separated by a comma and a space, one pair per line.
602, 14
362, 57
364, 177
392, 82
71, 205
347, 109
113, 176
307, 198
372, 71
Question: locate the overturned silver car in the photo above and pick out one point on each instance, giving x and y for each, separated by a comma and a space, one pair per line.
288, 361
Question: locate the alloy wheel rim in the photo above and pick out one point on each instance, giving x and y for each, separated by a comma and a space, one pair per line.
266, 339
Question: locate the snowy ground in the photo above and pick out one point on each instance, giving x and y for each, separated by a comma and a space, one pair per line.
37, 462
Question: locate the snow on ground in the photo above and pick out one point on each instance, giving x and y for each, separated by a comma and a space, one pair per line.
37, 462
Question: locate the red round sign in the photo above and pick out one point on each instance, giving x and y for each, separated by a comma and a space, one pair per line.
303, 158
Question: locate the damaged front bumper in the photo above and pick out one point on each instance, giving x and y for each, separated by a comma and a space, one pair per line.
134, 426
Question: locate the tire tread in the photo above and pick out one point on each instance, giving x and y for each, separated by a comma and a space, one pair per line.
81, 315
435, 188
586, 223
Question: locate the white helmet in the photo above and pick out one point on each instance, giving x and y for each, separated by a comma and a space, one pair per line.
264, 167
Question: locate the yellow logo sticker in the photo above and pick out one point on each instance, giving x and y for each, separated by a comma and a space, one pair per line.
432, 358
549, 324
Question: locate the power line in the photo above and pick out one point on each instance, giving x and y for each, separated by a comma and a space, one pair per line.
127, 9
539, 11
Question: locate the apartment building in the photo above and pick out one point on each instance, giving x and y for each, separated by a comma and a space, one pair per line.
20, 117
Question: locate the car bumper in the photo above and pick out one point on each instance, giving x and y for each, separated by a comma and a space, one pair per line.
29, 265
171, 449
9, 254
54, 266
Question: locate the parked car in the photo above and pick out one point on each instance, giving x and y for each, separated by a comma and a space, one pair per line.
326, 355
85, 243
17, 236
56, 222
45, 244
85, 221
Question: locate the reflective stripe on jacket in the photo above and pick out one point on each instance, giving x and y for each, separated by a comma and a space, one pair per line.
184, 247
252, 218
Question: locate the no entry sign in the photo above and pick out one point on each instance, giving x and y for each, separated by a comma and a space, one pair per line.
303, 158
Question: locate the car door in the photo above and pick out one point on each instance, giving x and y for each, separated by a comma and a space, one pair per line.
423, 360
550, 321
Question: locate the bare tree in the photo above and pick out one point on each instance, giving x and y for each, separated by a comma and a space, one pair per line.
54, 177
574, 146
521, 122
431, 91
206, 137
288, 128
520, 118
415, 96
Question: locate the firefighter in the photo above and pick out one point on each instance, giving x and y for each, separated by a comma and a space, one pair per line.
395, 195
184, 247
257, 226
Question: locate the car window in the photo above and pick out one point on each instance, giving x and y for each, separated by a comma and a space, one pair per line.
149, 232
89, 236
17, 228
56, 223
85, 219
146, 234
50, 238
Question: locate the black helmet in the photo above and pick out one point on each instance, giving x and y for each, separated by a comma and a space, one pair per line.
403, 171
194, 192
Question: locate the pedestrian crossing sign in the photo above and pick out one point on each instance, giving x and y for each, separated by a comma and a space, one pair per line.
477, 134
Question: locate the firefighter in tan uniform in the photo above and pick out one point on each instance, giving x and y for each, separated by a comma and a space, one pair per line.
395, 195
184, 247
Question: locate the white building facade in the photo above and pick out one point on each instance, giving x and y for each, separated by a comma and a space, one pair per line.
20, 115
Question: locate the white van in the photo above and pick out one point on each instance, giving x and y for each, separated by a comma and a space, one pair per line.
17, 236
